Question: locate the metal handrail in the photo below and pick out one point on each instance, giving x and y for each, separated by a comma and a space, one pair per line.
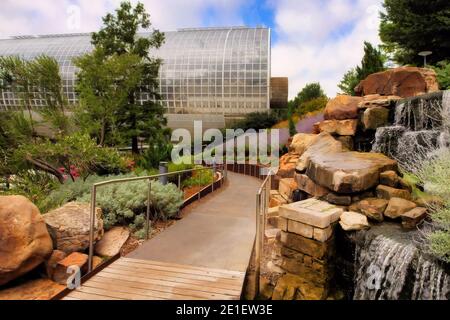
262, 207
214, 167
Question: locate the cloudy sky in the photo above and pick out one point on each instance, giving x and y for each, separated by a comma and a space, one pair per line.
312, 40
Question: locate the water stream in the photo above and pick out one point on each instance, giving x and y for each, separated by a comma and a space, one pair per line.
388, 269
421, 128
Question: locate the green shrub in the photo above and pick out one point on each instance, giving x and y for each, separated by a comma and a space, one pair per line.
443, 74
435, 176
199, 178
122, 203
257, 121
312, 106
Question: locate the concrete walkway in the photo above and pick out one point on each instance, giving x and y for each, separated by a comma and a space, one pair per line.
216, 232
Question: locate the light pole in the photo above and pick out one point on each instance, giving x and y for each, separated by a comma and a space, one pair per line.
424, 54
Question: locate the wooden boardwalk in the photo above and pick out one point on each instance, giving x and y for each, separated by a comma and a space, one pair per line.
132, 279
203, 256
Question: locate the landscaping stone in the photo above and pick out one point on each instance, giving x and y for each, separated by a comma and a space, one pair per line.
293, 287
112, 242
352, 221
347, 142
322, 235
348, 172
69, 226
397, 206
51, 263
412, 218
39, 289
339, 127
386, 192
307, 185
287, 165
313, 212
342, 107
310, 247
273, 212
24, 240
342, 200
301, 142
287, 186
376, 100
271, 233
299, 228
373, 208
403, 82
389, 178
60, 274
374, 118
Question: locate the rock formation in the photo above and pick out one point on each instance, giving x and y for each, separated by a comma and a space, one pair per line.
24, 240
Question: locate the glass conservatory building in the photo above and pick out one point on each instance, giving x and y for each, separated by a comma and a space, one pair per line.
207, 71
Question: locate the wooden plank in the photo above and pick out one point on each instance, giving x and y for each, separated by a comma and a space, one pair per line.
163, 289
87, 296
115, 294
171, 268
173, 279
106, 274
143, 271
169, 264
70, 298
116, 287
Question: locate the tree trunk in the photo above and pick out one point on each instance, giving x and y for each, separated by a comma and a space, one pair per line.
42, 165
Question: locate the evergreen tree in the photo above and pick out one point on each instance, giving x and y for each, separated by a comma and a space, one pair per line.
411, 26
138, 117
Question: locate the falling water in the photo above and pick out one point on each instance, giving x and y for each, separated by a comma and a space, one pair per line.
390, 270
421, 126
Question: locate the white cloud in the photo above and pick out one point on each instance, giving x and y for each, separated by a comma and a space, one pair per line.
321, 40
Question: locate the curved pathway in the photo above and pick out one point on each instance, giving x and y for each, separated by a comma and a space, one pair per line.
217, 232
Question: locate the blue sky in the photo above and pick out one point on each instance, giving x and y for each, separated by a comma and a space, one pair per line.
312, 40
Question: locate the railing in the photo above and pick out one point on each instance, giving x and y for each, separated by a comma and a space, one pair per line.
262, 205
215, 168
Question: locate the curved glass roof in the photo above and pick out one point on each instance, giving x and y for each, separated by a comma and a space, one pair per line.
207, 70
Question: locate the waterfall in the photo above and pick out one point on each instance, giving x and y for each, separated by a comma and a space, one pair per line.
390, 270
421, 127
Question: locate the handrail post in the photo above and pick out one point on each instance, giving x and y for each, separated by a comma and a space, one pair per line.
179, 181
92, 227
147, 216
258, 245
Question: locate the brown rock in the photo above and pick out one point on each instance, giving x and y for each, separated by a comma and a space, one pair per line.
24, 240
40, 289
300, 229
318, 250
319, 275
96, 262
286, 187
70, 224
290, 287
351, 221
77, 259
112, 242
375, 100
389, 178
301, 142
347, 142
375, 117
339, 127
386, 192
412, 218
342, 107
307, 185
276, 200
342, 200
287, 165
266, 289
373, 208
51, 263
403, 82
397, 206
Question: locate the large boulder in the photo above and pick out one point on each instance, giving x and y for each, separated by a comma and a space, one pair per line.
287, 165
301, 142
24, 240
342, 107
403, 82
329, 165
352, 221
69, 226
397, 207
339, 127
39, 289
373, 208
375, 117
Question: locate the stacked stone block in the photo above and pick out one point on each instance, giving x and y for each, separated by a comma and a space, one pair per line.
305, 246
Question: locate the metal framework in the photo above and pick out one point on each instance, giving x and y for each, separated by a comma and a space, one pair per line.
206, 70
